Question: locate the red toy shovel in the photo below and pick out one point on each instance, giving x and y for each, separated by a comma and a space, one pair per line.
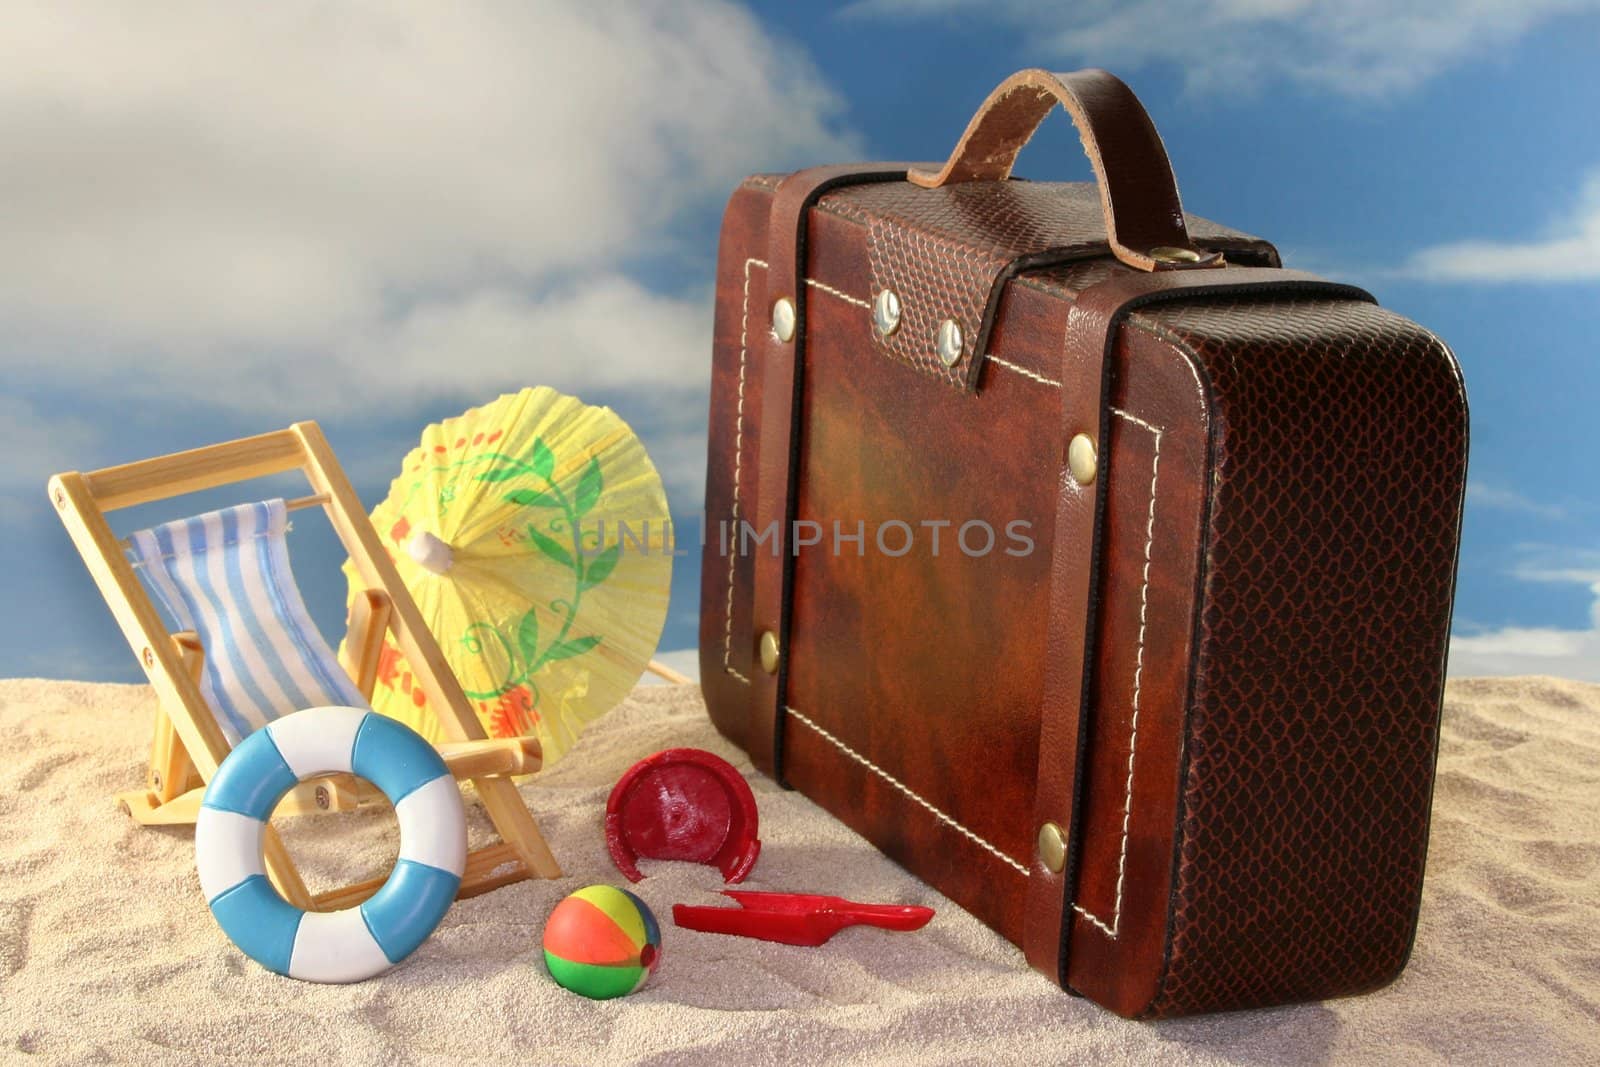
796, 918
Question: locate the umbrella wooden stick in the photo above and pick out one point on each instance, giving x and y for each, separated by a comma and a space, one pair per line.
661, 670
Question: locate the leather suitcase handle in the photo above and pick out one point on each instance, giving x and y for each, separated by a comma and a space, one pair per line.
1138, 194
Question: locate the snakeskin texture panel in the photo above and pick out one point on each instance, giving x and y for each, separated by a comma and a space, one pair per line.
1340, 444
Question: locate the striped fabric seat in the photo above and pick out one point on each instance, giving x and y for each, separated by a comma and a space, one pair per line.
225, 575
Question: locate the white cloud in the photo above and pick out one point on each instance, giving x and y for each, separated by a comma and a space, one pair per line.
1544, 563
603, 331
361, 211
1483, 495
253, 205
1538, 649
642, 338
1531, 650
1358, 48
1569, 251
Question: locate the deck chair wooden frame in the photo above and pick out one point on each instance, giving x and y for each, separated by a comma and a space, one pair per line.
189, 745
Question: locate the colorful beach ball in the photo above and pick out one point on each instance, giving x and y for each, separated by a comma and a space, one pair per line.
601, 942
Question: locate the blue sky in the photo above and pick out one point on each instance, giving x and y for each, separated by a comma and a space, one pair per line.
217, 220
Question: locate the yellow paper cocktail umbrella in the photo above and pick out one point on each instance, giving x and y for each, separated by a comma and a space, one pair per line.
533, 533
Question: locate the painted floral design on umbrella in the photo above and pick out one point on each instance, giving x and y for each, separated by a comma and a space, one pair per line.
535, 536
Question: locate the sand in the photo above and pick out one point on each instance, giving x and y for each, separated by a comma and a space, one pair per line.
107, 951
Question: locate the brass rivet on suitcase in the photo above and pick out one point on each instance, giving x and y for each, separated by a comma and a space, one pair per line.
886, 312
1170, 254
1052, 847
769, 652
1082, 459
950, 342
783, 319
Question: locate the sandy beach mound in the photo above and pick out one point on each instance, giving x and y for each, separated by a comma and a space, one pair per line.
107, 950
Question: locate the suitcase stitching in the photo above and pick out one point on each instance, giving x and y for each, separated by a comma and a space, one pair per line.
1138, 678
738, 439
826, 288
1138, 673
1133, 743
1190, 981
1144, 589
903, 788
738, 442
1024, 371
738, 466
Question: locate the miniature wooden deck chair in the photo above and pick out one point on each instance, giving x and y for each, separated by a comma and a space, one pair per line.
248, 652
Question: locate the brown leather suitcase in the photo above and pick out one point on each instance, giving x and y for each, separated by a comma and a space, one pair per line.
1090, 564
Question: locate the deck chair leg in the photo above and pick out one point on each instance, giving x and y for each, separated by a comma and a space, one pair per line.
281, 870
484, 762
510, 815
172, 772
457, 719
363, 645
315, 797
148, 809
190, 742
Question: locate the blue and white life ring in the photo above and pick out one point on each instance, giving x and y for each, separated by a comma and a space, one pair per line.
358, 942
